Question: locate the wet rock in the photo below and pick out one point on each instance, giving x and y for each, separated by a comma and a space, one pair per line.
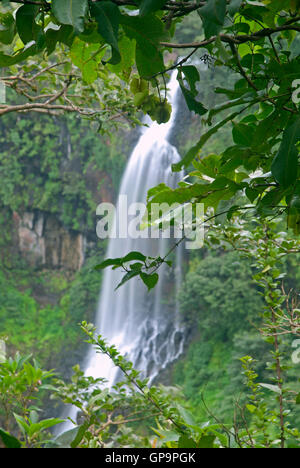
44, 242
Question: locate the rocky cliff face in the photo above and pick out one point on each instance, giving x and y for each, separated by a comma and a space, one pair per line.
44, 242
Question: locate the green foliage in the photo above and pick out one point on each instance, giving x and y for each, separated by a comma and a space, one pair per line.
213, 16
255, 41
175, 426
104, 47
140, 267
21, 383
40, 313
61, 154
70, 12
107, 16
210, 371
285, 164
218, 296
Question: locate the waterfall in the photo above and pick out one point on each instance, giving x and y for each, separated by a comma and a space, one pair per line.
143, 325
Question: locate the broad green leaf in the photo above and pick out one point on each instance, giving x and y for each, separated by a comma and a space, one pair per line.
251, 408
42, 425
285, 164
167, 435
273, 388
157, 189
149, 280
190, 94
7, 28
295, 204
87, 58
191, 75
90, 72
209, 193
131, 274
65, 439
206, 441
234, 6
109, 262
108, 16
81, 430
133, 256
25, 428
293, 223
186, 442
149, 6
65, 35
208, 166
25, 21
243, 134
136, 266
271, 199
298, 399
71, 12
253, 61
9, 440
213, 16
147, 32
127, 51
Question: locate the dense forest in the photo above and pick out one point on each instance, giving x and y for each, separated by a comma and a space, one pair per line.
79, 77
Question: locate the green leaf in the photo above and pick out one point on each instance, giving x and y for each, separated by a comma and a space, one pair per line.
131, 274
63, 440
243, 134
118, 262
298, 399
193, 105
270, 200
7, 28
134, 256
108, 16
25, 428
234, 6
294, 206
109, 262
87, 58
65, 35
157, 189
285, 164
206, 441
251, 408
149, 6
147, 32
149, 280
25, 21
127, 51
273, 388
71, 12
192, 76
40, 426
9, 440
213, 16
167, 435
186, 442
80, 434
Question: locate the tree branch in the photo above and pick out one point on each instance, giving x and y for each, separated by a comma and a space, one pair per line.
239, 39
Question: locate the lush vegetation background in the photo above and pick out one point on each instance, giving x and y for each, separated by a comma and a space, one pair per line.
59, 164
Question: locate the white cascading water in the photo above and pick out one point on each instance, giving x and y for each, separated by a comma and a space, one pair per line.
143, 325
